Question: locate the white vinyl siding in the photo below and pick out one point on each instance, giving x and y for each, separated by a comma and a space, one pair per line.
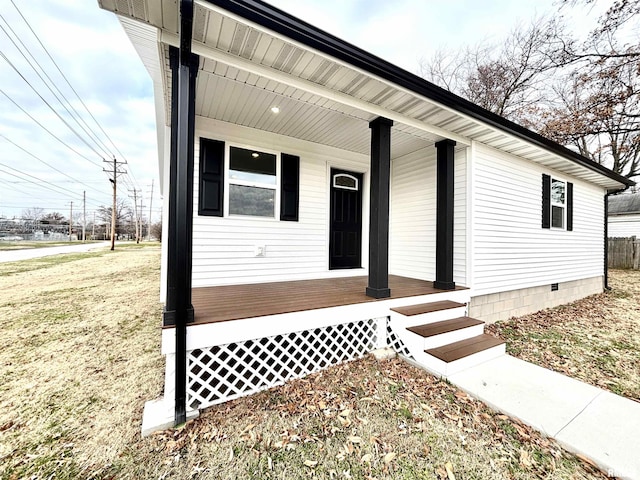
413, 216
624, 226
224, 247
511, 250
460, 219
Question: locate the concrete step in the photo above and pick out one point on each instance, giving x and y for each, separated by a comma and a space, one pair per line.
446, 332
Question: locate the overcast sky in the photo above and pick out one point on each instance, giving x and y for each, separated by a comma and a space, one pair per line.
91, 49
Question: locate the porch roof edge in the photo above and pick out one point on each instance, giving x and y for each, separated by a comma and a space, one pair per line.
285, 24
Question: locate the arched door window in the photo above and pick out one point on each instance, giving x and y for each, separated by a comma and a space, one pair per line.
345, 181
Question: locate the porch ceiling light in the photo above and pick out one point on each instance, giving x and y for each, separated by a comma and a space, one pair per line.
255, 154
275, 109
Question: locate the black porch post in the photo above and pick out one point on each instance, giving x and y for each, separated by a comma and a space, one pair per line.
379, 206
169, 315
182, 191
444, 216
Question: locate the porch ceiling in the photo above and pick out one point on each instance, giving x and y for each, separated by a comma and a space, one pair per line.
324, 99
242, 98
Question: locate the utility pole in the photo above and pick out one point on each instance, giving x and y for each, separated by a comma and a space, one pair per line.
140, 217
70, 219
135, 212
84, 216
114, 180
150, 205
93, 227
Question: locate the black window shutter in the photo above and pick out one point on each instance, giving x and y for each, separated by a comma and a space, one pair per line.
546, 201
289, 187
569, 206
211, 192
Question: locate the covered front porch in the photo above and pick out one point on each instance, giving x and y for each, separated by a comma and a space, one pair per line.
226, 84
235, 302
247, 338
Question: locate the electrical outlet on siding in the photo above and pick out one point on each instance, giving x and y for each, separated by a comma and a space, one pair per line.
260, 250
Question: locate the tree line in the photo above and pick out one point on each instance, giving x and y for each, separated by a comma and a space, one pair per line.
98, 227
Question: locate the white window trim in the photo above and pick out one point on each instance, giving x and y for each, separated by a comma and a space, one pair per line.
556, 204
228, 181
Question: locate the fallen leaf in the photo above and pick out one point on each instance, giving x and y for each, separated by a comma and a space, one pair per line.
311, 463
366, 458
354, 439
525, 459
449, 468
389, 457
248, 428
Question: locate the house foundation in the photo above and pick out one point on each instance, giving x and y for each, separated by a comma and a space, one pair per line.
514, 303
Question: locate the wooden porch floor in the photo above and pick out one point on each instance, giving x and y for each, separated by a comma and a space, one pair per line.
233, 302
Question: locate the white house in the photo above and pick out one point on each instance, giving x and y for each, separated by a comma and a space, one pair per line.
624, 216
321, 202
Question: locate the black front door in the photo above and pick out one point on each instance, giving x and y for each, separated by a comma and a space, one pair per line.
345, 239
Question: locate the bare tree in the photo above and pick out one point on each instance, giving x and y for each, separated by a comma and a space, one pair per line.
598, 109
124, 215
582, 94
32, 216
53, 218
156, 230
507, 79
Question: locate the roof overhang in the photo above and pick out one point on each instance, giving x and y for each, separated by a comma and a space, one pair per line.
254, 56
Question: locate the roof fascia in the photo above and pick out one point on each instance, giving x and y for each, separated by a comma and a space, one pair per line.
287, 25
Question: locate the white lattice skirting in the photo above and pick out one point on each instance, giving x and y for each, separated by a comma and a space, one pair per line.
396, 343
224, 372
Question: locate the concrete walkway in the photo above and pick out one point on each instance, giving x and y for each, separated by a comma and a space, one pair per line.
29, 253
584, 419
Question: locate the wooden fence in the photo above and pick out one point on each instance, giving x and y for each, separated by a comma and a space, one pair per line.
624, 253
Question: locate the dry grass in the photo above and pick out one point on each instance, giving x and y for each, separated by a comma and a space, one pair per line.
596, 340
79, 355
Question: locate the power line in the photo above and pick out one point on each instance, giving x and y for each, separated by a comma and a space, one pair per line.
70, 86
40, 160
70, 109
39, 180
15, 69
47, 130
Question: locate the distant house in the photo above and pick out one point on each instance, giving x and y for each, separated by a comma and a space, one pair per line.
321, 202
624, 215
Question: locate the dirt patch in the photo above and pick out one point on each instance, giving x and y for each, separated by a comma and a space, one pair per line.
595, 340
79, 355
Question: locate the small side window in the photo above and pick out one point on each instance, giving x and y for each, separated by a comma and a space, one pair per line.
558, 203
